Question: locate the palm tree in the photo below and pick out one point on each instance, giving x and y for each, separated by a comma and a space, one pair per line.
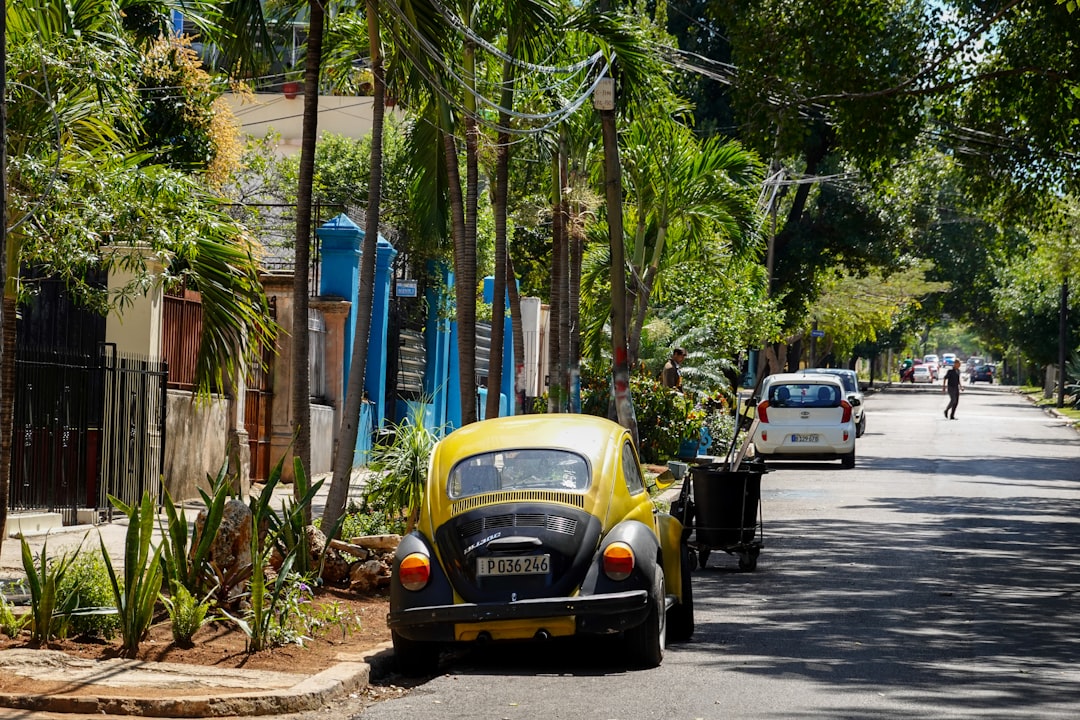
354, 395
681, 193
301, 370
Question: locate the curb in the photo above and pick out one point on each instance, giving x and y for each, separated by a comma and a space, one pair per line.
310, 693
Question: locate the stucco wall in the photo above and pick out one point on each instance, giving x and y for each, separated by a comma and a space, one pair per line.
197, 437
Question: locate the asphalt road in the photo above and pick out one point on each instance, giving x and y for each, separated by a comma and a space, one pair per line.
937, 579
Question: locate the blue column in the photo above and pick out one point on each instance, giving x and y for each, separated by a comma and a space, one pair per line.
375, 377
339, 273
341, 241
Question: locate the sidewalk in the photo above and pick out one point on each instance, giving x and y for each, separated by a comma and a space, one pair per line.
53, 682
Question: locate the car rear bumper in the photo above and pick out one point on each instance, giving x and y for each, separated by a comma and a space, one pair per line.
608, 612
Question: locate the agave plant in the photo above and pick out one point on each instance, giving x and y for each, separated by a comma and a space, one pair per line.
137, 592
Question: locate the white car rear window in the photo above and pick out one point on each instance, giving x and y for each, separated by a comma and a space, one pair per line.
803, 395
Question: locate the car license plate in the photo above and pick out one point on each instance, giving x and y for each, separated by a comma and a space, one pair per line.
513, 565
800, 438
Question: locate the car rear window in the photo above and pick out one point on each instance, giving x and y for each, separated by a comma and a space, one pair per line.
803, 395
533, 469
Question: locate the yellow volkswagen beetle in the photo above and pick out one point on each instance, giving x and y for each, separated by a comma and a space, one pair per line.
535, 527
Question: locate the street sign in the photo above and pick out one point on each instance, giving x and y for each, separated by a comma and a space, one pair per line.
405, 289
817, 333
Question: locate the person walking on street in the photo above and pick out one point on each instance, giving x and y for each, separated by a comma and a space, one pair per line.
671, 376
952, 384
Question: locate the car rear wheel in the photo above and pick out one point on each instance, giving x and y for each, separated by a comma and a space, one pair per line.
848, 461
681, 617
646, 642
415, 658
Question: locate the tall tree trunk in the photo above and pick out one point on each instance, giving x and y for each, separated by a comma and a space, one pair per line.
7, 397
519, 336
564, 288
502, 185
558, 275
1063, 340
7, 314
464, 282
354, 393
576, 241
467, 315
301, 370
620, 370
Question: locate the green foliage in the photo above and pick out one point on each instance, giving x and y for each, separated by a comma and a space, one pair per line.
402, 466
319, 620
51, 602
136, 592
186, 614
289, 531
665, 418
11, 623
190, 569
94, 612
371, 520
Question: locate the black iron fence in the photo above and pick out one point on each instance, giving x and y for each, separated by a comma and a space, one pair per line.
86, 427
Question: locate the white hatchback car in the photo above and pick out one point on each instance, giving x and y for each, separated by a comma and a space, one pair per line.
850, 380
805, 416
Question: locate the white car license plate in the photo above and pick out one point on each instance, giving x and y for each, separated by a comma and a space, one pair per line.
801, 438
513, 565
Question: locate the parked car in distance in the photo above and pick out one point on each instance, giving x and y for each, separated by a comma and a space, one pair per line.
922, 374
534, 527
850, 380
805, 416
933, 362
947, 360
974, 361
982, 373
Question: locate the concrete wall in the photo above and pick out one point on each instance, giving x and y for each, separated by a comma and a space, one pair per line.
197, 435
323, 430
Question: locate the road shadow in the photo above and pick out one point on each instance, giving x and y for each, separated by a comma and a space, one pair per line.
966, 593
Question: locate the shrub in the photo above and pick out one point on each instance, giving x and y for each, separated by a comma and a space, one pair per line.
94, 612
371, 520
665, 418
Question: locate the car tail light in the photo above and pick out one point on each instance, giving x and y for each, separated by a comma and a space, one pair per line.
414, 571
618, 561
765, 435
847, 411
845, 435
762, 409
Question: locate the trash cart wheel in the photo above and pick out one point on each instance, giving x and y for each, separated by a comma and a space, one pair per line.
748, 559
703, 556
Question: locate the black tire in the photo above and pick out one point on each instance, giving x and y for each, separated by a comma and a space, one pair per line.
848, 461
645, 643
680, 618
415, 658
703, 557
861, 427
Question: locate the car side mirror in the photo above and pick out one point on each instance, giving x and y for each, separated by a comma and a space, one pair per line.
854, 400
665, 480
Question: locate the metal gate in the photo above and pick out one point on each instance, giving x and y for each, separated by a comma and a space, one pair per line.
86, 427
258, 406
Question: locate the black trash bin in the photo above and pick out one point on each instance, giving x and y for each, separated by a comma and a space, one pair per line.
726, 510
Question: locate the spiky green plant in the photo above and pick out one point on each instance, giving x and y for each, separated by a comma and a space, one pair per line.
186, 614
51, 602
192, 570
137, 592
